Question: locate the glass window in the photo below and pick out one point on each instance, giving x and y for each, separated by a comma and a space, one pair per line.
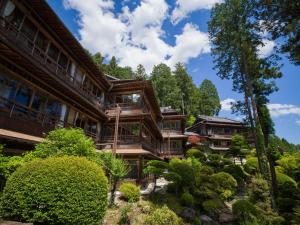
176, 145
41, 41
7, 87
71, 116
29, 29
12, 14
39, 102
53, 108
91, 126
79, 76
63, 61
53, 52
23, 96
80, 121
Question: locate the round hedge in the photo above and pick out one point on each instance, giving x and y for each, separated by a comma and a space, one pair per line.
65, 190
130, 191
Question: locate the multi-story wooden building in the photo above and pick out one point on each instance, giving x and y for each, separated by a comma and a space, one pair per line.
47, 80
216, 132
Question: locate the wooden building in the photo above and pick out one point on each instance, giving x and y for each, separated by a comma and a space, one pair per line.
216, 132
47, 81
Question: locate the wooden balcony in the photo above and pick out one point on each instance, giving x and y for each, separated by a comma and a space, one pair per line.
22, 119
27, 46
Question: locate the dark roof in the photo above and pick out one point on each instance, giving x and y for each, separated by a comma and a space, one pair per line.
57, 28
217, 119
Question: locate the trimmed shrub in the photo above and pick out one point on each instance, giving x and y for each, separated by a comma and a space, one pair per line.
224, 185
130, 192
196, 154
237, 172
187, 199
251, 165
163, 216
65, 190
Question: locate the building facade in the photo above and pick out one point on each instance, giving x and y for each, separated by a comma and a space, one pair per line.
47, 81
215, 132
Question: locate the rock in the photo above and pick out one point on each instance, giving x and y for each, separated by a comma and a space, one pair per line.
188, 213
225, 218
206, 220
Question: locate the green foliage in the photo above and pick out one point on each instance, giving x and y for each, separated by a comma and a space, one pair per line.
237, 172
290, 164
116, 168
251, 165
187, 199
244, 211
196, 154
258, 190
224, 185
239, 147
165, 85
212, 205
124, 218
64, 190
130, 192
163, 216
190, 120
210, 101
64, 141
140, 72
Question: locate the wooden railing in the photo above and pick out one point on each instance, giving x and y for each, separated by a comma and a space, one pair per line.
24, 113
27, 45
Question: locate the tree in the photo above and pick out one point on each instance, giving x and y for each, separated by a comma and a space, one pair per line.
156, 168
165, 86
64, 141
281, 19
189, 93
140, 72
210, 101
98, 60
116, 168
190, 121
238, 147
236, 38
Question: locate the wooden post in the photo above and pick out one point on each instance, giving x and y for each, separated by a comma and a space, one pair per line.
118, 111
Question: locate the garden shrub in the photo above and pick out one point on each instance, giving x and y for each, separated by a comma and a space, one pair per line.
163, 216
196, 154
237, 172
57, 190
223, 184
258, 190
251, 165
244, 211
212, 205
130, 192
187, 199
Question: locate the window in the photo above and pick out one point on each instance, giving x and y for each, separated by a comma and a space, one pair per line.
23, 96
176, 145
133, 172
63, 61
53, 108
132, 99
7, 87
171, 125
41, 41
80, 121
79, 76
39, 102
71, 116
29, 29
12, 14
91, 126
53, 52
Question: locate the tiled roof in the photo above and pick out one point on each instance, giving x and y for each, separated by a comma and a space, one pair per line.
218, 119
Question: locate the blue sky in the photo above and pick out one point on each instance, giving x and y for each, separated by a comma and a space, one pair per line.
154, 31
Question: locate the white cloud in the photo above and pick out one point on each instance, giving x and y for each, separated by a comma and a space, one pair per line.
135, 36
227, 103
277, 110
266, 49
184, 7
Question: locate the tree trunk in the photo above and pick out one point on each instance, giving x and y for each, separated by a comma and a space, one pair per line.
112, 192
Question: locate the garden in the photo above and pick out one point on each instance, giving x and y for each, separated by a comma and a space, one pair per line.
65, 181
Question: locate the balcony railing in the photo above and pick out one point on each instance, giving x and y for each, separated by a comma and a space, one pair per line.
20, 112
27, 45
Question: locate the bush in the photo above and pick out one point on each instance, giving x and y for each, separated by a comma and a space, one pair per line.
251, 165
163, 216
130, 192
187, 199
224, 185
237, 172
64, 141
212, 205
244, 211
65, 190
196, 154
